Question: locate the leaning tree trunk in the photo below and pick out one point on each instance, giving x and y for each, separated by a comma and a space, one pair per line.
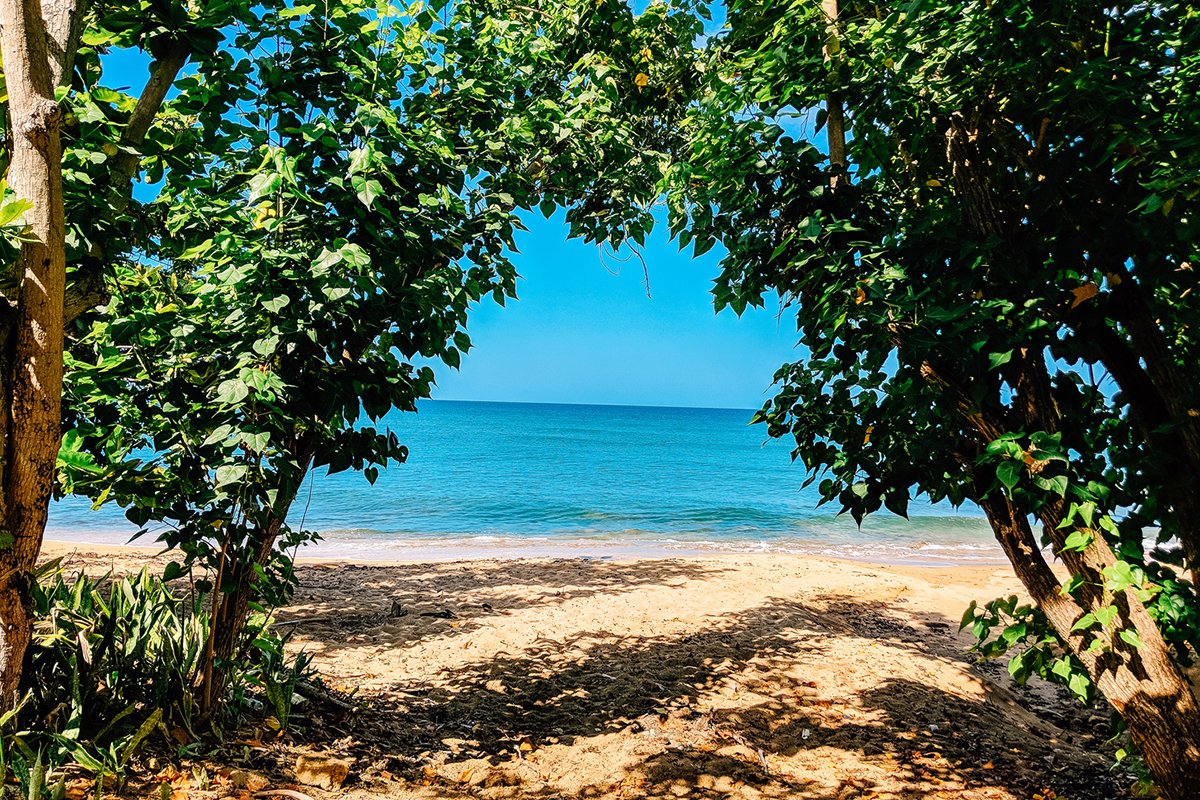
1143, 684
238, 581
37, 42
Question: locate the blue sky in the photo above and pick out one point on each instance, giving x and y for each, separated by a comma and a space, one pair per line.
584, 331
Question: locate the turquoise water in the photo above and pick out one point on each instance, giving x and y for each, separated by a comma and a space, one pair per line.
500, 479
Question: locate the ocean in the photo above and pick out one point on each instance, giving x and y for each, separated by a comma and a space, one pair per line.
517, 479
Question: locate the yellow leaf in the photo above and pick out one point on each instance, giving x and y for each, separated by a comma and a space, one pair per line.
1167, 206
860, 296
1084, 293
1113, 278
641, 81
867, 434
934, 182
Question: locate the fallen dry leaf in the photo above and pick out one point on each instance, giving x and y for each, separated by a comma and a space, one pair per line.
1084, 293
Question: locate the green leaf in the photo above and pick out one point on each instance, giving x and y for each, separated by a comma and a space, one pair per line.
968, 616
1120, 576
1130, 637
232, 391
1078, 540
1009, 473
264, 185
229, 473
996, 360
368, 191
1106, 614
296, 11
1080, 685
256, 442
219, 434
276, 304
1084, 622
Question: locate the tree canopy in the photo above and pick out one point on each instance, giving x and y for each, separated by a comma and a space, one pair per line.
983, 214
992, 296
352, 189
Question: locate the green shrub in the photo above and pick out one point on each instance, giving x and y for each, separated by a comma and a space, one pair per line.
106, 655
115, 660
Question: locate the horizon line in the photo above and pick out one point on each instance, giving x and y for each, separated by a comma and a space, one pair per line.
588, 405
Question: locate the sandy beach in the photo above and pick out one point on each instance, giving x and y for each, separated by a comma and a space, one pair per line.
743, 676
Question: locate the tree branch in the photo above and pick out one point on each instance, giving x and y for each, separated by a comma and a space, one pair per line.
125, 163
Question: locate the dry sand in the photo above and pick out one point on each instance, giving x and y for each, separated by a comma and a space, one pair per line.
733, 677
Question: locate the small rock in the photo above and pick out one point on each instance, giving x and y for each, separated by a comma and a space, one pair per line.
322, 771
244, 779
398, 609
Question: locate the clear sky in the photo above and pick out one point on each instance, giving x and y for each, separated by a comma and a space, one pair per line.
584, 331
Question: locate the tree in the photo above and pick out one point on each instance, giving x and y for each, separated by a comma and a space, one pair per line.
995, 304
73, 152
356, 188
37, 45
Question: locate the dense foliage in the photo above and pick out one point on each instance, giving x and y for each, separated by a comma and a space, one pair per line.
991, 264
71, 154
354, 188
993, 294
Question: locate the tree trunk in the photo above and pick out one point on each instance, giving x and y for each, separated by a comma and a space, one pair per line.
1143, 684
239, 583
232, 610
37, 43
835, 114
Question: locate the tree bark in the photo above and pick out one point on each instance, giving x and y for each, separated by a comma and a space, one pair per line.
232, 611
1143, 684
126, 162
37, 42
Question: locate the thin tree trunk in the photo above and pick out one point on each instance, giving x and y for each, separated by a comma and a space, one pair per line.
37, 43
835, 114
239, 580
232, 611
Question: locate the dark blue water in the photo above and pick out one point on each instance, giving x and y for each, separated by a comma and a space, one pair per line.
511, 478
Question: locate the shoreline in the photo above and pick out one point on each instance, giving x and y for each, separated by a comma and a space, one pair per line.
381, 550
127, 555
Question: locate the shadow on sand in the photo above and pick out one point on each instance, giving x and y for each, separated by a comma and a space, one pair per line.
749, 706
